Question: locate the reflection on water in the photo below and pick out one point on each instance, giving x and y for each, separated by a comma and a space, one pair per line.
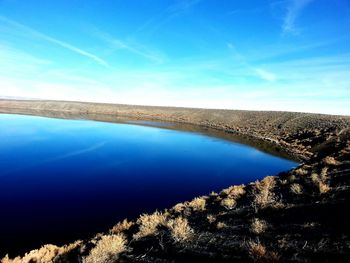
62, 180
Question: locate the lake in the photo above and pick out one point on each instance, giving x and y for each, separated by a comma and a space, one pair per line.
62, 180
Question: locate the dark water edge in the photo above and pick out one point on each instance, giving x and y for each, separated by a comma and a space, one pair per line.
49, 220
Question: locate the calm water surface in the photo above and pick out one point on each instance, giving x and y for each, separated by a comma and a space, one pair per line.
62, 180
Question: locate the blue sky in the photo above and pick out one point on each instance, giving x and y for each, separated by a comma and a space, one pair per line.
289, 55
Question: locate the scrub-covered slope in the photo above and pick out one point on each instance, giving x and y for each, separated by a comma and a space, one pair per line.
296, 216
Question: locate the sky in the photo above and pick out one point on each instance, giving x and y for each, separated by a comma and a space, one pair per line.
290, 55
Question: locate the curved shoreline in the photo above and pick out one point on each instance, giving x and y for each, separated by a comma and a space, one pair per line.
249, 222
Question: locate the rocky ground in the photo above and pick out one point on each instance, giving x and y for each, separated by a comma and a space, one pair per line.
295, 216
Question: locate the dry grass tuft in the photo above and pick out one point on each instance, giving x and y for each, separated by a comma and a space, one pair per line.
296, 189
330, 161
149, 224
235, 191
258, 226
228, 203
179, 207
323, 187
180, 229
258, 252
221, 225
46, 254
107, 249
211, 218
198, 204
263, 196
122, 226
300, 171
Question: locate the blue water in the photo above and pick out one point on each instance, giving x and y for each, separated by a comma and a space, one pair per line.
62, 180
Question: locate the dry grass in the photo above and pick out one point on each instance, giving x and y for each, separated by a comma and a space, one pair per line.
45, 254
323, 187
198, 204
258, 252
296, 189
258, 226
228, 203
263, 196
149, 224
180, 229
211, 218
235, 191
300, 171
122, 226
221, 225
330, 161
107, 249
179, 207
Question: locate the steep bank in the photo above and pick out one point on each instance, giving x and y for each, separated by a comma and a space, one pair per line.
297, 216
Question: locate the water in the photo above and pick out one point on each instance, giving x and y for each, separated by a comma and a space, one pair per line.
62, 180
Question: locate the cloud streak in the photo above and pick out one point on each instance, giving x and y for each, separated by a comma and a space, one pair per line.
294, 9
137, 50
34, 33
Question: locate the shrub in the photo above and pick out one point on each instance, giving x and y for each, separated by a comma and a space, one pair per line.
179, 207
263, 196
323, 187
211, 218
258, 226
149, 224
198, 204
121, 226
235, 191
107, 249
228, 203
221, 225
45, 254
256, 250
330, 161
296, 189
180, 229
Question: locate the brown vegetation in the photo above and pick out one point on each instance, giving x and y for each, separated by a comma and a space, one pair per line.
297, 216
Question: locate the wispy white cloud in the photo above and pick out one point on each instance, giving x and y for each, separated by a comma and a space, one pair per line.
180, 8
265, 75
133, 48
294, 9
34, 33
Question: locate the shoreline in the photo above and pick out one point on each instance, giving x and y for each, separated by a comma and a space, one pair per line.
248, 222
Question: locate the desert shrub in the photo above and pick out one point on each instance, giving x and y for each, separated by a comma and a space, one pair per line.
198, 204
45, 254
121, 226
258, 226
180, 229
296, 189
179, 207
258, 252
149, 224
228, 203
235, 191
300, 171
323, 187
107, 249
262, 194
330, 161
211, 218
221, 225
